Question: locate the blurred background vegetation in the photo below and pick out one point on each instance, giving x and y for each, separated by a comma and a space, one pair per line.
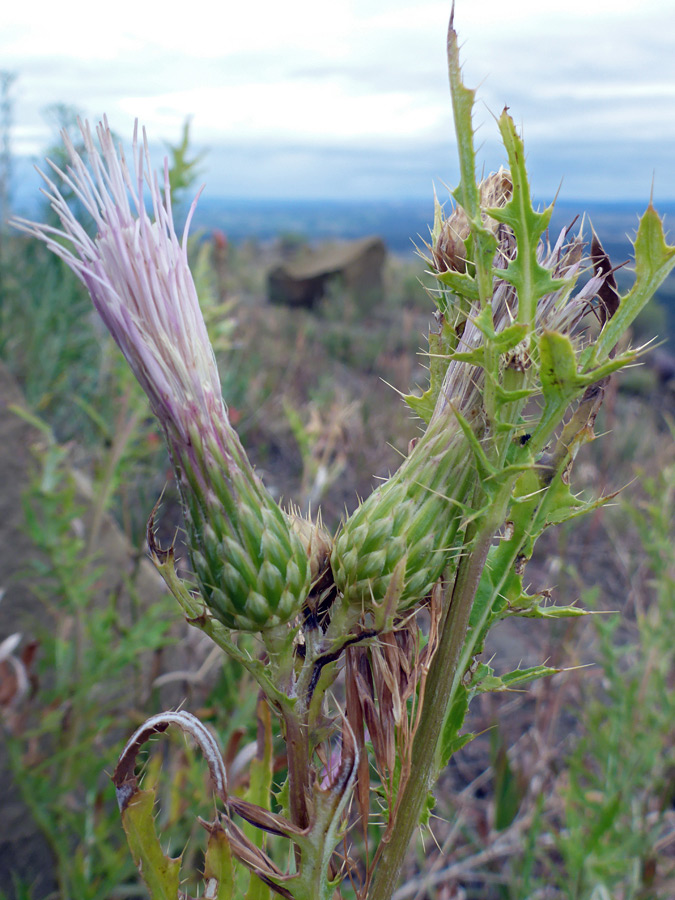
568, 790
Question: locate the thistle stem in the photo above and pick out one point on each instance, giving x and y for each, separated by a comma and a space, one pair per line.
442, 676
297, 752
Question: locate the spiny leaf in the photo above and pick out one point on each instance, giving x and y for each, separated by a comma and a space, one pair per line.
467, 193
558, 368
564, 505
654, 260
460, 283
218, 868
537, 606
485, 680
530, 279
463, 99
440, 347
160, 873
451, 741
427, 809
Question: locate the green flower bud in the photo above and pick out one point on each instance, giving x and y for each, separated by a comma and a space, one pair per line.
400, 538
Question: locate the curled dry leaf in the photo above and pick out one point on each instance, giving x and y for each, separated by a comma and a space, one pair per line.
124, 777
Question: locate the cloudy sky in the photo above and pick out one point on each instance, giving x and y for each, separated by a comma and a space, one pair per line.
349, 98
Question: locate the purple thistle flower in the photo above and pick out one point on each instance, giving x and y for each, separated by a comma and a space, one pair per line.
251, 567
137, 273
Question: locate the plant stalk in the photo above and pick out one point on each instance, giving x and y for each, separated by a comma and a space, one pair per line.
442, 674
297, 753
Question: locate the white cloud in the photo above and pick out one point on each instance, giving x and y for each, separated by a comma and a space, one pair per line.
361, 73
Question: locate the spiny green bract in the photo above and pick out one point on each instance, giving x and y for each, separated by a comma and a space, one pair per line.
251, 567
396, 545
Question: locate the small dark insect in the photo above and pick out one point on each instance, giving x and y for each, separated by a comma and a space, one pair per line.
524, 438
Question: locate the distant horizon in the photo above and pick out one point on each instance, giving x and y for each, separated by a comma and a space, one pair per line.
25, 195
287, 101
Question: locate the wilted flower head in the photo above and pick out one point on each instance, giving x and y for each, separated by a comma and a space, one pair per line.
251, 568
566, 259
448, 250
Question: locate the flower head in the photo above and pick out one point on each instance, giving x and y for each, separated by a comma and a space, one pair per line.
251, 567
137, 273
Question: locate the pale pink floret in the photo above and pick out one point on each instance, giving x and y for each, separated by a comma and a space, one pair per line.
137, 273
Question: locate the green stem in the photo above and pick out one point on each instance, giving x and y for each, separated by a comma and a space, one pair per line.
436, 698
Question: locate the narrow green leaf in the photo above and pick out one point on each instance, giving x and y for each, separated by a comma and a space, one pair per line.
485, 467
654, 260
603, 822
508, 792
440, 347
451, 741
463, 98
160, 873
218, 868
558, 368
460, 283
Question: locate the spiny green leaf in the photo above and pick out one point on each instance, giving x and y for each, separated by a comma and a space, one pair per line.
485, 681
422, 406
460, 283
440, 346
519, 213
467, 193
160, 873
530, 279
427, 809
538, 606
563, 505
509, 337
503, 340
654, 260
510, 396
218, 865
463, 98
451, 741
558, 368
524, 676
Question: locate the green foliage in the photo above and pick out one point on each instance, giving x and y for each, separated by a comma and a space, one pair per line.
92, 655
620, 775
47, 335
183, 167
160, 872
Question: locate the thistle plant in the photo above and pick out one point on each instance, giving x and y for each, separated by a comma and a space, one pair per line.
394, 609
244, 553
